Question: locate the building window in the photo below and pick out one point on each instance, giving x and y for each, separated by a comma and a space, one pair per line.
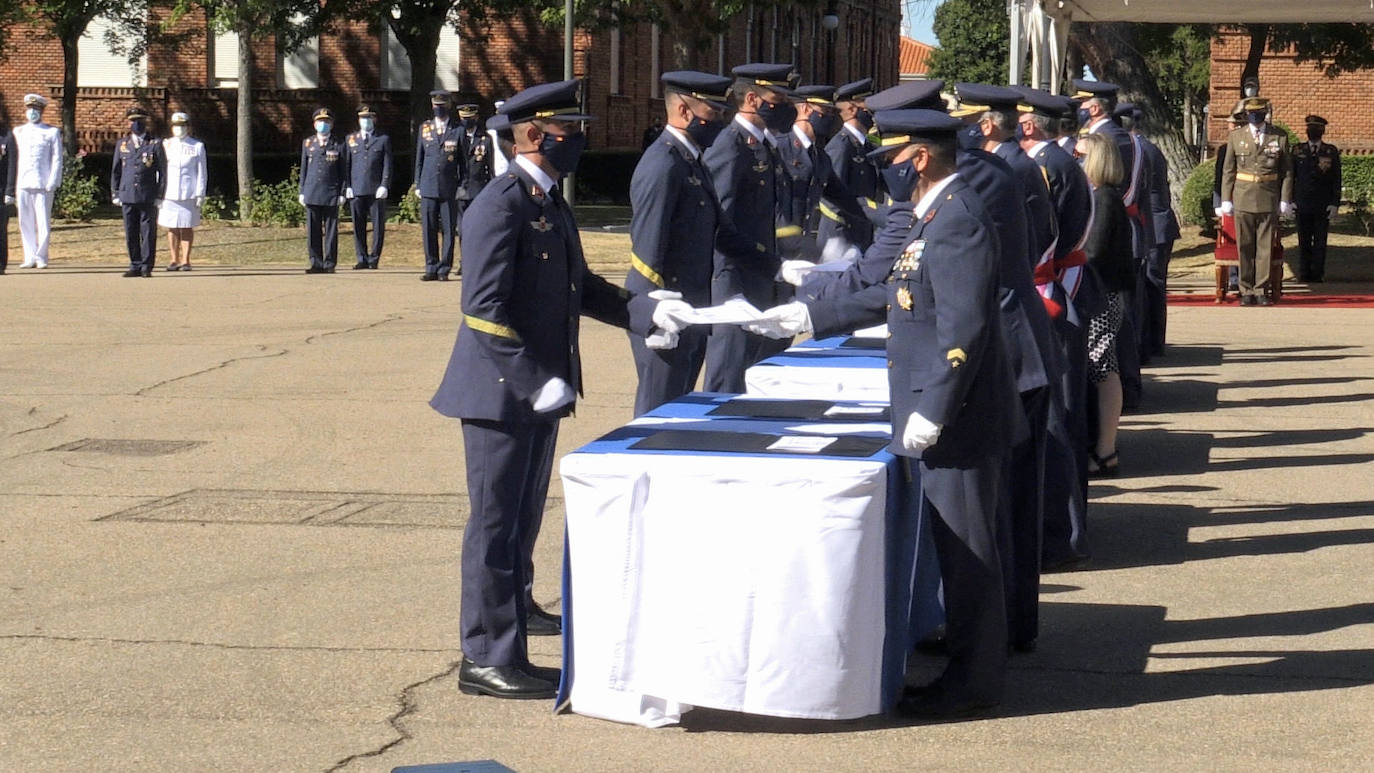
224, 59
98, 66
300, 69
447, 73
395, 61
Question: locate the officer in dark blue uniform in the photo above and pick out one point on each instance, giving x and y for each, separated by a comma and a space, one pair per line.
137, 180
745, 172
815, 193
912, 95
324, 178
477, 158
369, 181
439, 159
1152, 290
954, 404
1072, 300
9, 173
855, 171
1317, 197
515, 371
676, 226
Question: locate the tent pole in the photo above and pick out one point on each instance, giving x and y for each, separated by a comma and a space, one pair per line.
1018, 43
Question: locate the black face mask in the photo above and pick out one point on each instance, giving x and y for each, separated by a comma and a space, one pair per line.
704, 132
441, 113
778, 118
824, 124
564, 152
1256, 117
865, 119
901, 180
1315, 135
136, 127
970, 138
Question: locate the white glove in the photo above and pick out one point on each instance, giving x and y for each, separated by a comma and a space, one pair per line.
416, 191
301, 199
671, 312
794, 272
782, 321
200, 202
919, 434
381, 192
1227, 207
553, 395
1332, 210
1219, 211
117, 202
348, 193
1285, 208
339, 202
9, 200
662, 339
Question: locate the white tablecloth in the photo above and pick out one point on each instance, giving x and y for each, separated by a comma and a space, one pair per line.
821, 370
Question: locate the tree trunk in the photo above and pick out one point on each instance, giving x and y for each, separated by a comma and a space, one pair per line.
1259, 39
244, 119
1109, 49
70, 61
422, 50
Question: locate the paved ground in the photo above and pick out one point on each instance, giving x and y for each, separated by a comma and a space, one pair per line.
229, 527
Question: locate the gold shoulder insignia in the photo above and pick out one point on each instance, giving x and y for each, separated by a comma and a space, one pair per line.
956, 357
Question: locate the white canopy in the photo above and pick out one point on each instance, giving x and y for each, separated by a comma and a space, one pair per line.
1040, 28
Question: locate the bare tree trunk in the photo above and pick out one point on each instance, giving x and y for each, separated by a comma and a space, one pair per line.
1259, 39
1109, 49
70, 62
422, 50
244, 118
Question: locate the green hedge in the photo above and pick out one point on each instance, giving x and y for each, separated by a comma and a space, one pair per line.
1195, 203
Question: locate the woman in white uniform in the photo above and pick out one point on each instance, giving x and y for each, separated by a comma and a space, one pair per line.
186, 176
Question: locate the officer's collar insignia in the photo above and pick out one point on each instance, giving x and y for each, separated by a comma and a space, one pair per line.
353, 141
693, 180
538, 193
750, 141
796, 143
904, 298
930, 215
956, 357
542, 225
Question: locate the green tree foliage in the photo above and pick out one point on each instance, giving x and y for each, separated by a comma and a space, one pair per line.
1181, 58
1335, 48
974, 45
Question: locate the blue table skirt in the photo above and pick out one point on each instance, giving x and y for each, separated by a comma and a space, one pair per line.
913, 607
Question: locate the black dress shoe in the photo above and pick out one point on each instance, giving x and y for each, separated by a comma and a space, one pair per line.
146, 273
172, 267
314, 270
133, 272
1263, 300
372, 264
502, 682
1247, 300
429, 278
1025, 647
443, 277
934, 703
541, 623
328, 269
360, 266
551, 675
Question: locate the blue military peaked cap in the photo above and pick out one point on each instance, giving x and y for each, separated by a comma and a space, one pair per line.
774, 76
498, 123
1100, 89
816, 95
909, 95
561, 101
136, 114
714, 89
903, 127
439, 97
1127, 110
979, 98
1045, 103
323, 114
857, 90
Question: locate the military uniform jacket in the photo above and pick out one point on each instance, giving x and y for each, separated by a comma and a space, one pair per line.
676, 225
1036, 190
324, 171
815, 193
439, 160
478, 165
1257, 174
946, 357
525, 285
1162, 216
1316, 176
1070, 196
186, 169
39, 152
9, 162
743, 176
369, 163
138, 173
858, 177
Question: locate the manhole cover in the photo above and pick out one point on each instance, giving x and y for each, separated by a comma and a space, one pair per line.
129, 447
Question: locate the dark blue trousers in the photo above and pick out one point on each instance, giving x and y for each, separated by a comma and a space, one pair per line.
1152, 297
1066, 452
322, 229
962, 505
508, 467
667, 374
368, 211
5, 242
1021, 514
1313, 225
1128, 351
438, 217
140, 235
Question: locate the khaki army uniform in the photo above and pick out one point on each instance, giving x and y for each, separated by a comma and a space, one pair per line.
1256, 176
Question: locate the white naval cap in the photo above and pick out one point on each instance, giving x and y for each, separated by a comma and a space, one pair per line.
180, 118
35, 100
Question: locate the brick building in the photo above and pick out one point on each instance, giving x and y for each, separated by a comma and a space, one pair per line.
362, 62
1296, 90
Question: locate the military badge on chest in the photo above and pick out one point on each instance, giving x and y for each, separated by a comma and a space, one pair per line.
910, 259
331, 156
542, 225
904, 299
149, 159
451, 149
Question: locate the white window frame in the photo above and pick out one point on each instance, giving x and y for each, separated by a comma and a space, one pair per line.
99, 67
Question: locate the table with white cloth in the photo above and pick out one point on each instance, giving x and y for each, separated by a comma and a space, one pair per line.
704, 569
836, 368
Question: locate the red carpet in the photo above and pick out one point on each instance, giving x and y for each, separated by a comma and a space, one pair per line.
1306, 300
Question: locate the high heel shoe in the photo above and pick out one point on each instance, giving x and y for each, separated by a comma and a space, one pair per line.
1108, 466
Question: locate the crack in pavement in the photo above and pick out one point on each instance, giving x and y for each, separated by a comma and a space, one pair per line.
408, 707
33, 410
145, 390
389, 318
222, 645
